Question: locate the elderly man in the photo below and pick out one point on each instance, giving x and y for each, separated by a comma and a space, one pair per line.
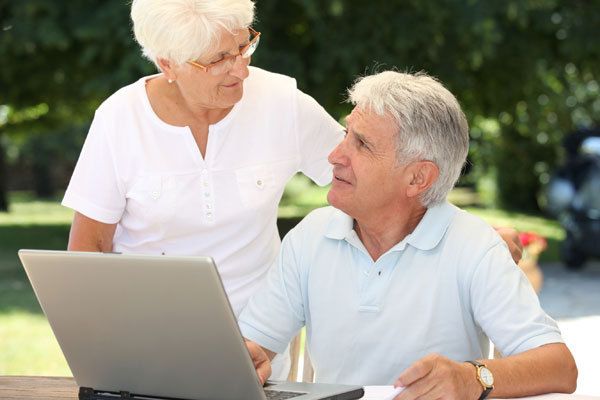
394, 284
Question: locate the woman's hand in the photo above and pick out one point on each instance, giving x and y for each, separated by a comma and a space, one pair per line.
511, 237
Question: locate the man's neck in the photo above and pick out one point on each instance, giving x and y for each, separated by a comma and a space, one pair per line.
382, 232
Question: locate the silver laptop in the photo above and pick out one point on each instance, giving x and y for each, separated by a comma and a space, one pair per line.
152, 326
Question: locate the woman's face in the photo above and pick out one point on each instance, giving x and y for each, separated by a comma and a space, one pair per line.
204, 89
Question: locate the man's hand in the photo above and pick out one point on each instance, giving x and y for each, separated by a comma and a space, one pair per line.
261, 361
511, 237
437, 377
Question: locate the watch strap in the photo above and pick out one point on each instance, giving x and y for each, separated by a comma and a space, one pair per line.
486, 389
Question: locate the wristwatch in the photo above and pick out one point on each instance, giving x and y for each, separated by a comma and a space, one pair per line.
485, 377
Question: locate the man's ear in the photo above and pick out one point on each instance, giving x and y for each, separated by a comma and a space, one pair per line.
424, 174
166, 67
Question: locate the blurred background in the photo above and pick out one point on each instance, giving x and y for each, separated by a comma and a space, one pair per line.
525, 71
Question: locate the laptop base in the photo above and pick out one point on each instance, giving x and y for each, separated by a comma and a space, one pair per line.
86, 393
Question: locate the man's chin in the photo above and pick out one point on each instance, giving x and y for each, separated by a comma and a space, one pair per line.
334, 199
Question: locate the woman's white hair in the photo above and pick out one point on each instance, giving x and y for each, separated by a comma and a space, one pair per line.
431, 124
184, 30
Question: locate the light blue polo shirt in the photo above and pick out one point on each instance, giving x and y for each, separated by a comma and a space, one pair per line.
444, 289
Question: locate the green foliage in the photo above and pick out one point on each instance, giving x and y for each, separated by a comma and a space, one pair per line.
70, 54
527, 69
59, 61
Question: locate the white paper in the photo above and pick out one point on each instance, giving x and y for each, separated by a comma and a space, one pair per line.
389, 392
380, 392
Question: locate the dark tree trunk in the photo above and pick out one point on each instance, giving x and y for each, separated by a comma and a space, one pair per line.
3, 179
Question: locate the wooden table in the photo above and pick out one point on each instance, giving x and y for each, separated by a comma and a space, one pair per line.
45, 388
37, 387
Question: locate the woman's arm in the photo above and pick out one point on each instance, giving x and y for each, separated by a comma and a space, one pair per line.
90, 235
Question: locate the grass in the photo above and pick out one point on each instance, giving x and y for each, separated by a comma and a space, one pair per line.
27, 345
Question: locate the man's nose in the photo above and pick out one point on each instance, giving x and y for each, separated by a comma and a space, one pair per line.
337, 154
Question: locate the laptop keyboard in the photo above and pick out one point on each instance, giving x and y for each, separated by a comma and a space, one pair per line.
280, 394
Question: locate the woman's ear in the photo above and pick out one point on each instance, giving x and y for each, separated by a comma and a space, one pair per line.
424, 174
167, 69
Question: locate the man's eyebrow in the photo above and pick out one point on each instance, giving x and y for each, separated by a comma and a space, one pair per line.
362, 138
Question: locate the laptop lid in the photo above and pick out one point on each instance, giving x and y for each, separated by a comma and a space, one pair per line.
158, 326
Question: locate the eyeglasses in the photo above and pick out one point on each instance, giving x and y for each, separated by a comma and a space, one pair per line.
226, 63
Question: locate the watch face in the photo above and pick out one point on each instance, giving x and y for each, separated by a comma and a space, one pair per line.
486, 376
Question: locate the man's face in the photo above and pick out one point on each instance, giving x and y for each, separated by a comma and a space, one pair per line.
367, 179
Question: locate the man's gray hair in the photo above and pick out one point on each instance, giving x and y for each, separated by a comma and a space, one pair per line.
184, 30
431, 124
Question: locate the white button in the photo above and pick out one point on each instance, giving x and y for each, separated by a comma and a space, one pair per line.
208, 215
204, 172
205, 184
155, 195
259, 183
206, 194
208, 207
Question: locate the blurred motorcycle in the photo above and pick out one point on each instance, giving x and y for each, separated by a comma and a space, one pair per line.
574, 198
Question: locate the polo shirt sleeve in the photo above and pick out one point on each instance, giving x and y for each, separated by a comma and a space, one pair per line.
94, 189
318, 134
506, 307
275, 313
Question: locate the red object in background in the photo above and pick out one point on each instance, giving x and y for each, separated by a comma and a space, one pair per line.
529, 238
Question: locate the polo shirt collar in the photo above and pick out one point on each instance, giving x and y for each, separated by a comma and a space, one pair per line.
340, 225
430, 231
426, 236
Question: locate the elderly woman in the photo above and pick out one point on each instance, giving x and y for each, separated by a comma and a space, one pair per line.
194, 160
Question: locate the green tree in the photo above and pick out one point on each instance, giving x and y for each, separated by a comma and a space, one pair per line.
63, 58
525, 70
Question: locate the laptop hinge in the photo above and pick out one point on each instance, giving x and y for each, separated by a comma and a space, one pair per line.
86, 393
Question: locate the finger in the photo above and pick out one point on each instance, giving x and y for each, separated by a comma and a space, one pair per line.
417, 389
517, 254
416, 371
264, 372
511, 237
427, 391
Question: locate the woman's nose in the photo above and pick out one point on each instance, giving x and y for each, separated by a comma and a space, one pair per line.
240, 67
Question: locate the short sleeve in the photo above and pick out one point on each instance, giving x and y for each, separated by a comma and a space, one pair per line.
94, 189
275, 313
318, 134
506, 307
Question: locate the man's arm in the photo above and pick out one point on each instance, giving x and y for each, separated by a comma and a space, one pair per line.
545, 369
87, 234
261, 357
